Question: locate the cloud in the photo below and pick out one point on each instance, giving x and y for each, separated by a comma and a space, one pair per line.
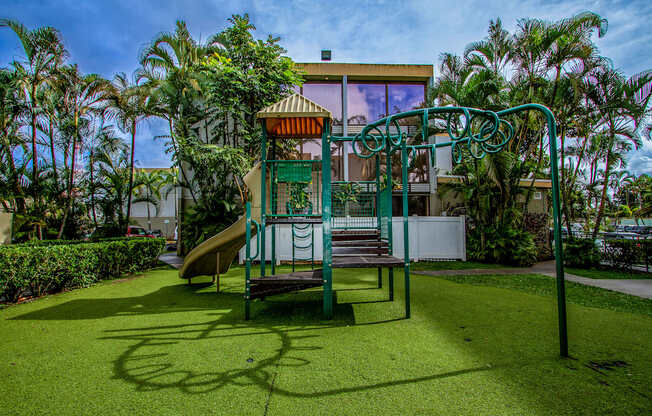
640, 161
107, 36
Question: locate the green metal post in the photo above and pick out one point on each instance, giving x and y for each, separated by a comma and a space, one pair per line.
292, 229
378, 195
247, 260
312, 248
263, 196
406, 235
559, 258
273, 193
327, 260
378, 216
388, 172
391, 284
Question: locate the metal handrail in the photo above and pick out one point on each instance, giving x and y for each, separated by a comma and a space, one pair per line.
257, 224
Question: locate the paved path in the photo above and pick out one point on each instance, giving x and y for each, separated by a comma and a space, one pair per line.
637, 287
171, 259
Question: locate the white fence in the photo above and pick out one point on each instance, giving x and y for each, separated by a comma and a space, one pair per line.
431, 238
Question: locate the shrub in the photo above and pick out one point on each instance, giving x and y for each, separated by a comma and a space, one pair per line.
537, 225
40, 269
582, 253
623, 254
505, 245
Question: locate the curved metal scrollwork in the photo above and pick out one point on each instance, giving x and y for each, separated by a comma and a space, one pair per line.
473, 131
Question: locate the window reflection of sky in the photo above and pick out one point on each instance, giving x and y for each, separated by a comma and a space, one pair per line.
328, 95
405, 97
365, 102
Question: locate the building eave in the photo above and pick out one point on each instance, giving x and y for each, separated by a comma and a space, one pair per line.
361, 72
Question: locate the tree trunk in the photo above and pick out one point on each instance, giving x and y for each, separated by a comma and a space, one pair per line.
149, 220
131, 169
605, 184
34, 152
92, 179
36, 196
52, 153
71, 185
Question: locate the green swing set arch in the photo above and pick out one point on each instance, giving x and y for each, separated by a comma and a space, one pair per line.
473, 132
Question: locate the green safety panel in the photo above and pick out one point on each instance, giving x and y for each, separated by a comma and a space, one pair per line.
294, 173
385, 211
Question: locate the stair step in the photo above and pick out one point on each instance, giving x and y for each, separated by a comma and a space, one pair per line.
361, 243
350, 236
263, 290
311, 276
359, 251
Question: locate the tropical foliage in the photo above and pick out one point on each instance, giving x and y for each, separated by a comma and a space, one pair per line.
65, 164
601, 115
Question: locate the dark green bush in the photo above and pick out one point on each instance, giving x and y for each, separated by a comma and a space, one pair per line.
502, 245
41, 269
623, 254
582, 253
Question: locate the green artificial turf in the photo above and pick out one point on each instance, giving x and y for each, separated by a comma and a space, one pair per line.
153, 345
454, 265
607, 274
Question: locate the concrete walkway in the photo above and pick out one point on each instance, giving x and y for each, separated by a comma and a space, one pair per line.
637, 287
172, 259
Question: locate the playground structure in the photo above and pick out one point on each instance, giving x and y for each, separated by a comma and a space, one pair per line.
355, 216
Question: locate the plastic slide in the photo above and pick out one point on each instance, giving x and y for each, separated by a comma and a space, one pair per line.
202, 260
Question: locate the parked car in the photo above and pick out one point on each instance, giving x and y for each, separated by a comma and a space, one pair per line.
135, 231
644, 230
156, 233
105, 231
621, 236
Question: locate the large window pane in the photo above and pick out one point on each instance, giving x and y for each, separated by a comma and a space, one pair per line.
361, 169
366, 103
328, 95
405, 97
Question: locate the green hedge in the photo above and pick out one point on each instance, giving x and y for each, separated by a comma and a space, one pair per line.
35, 243
582, 253
41, 269
617, 254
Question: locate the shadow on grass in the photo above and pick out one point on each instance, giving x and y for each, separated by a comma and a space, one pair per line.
167, 374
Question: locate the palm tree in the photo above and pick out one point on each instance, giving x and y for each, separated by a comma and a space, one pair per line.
148, 191
169, 66
130, 107
492, 54
11, 138
44, 52
84, 97
621, 105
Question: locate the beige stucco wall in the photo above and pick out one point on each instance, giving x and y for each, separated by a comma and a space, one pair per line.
5, 227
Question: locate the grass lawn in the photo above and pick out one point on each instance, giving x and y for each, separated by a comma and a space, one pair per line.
153, 345
607, 274
454, 265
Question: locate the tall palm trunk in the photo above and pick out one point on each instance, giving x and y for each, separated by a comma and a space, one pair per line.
37, 227
131, 169
52, 153
34, 152
71, 182
149, 220
92, 179
603, 197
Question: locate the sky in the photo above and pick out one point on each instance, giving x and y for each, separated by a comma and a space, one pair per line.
106, 36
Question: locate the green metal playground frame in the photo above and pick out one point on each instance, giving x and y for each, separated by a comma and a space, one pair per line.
472, 132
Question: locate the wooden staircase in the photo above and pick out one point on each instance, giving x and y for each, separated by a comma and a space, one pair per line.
284, 283
361, 248
351, 249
